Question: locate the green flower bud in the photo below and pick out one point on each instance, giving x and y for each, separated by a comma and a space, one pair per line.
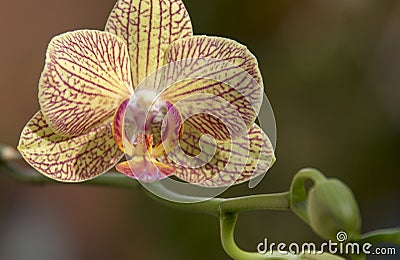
332, 210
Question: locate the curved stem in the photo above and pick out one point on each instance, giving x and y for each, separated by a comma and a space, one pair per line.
312, 174
227, 226
298, 192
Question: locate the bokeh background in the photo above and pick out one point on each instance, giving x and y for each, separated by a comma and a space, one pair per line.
332, 73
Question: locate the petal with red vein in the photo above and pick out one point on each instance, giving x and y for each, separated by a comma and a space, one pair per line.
214, 164
206, 73
145, 169
67, 159
148, 27
86, 76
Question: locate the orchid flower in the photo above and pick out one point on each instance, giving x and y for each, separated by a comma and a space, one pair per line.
89, 91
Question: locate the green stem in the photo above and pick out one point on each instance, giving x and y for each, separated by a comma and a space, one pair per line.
23, 174
213, 206
210, 206
358, 257
226, 209
277, 201
391, 235
227, 226
298, 192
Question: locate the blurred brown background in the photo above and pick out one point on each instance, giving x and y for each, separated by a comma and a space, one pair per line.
332, 73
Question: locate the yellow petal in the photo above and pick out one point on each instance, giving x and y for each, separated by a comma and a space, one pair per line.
216, 82
85, 77
65, 159
214, 164
148, 27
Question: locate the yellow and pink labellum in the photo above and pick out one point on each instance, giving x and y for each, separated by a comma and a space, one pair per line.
68, 159
85, 78
140, 149
145, 169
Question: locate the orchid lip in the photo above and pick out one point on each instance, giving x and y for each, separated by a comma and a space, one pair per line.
145, 125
